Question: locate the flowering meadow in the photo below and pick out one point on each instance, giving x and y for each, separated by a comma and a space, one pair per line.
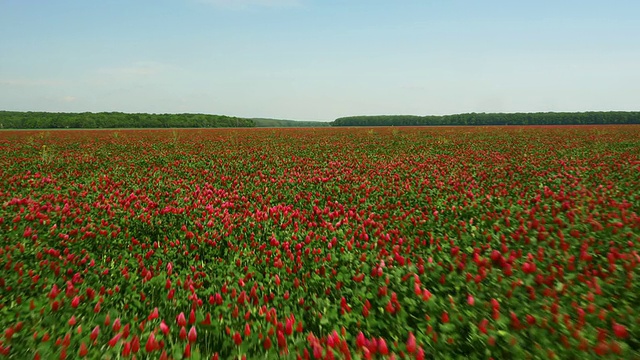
345, 243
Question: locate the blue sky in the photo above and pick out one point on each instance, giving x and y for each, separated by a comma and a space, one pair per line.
318, 60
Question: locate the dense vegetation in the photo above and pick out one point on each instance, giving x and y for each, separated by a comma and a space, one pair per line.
406, 243
260, 122
549, 118
88, 120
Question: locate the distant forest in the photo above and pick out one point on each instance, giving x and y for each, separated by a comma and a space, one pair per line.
111, 120
479, 119
87, 120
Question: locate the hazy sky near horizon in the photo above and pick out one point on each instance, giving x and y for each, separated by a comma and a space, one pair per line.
319, 59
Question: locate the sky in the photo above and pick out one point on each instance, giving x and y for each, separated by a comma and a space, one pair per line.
319, 59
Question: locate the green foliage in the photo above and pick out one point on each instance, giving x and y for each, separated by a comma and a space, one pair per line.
483, 119
109, 120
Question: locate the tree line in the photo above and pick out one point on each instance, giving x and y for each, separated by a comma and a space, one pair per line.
88, 120
480, 119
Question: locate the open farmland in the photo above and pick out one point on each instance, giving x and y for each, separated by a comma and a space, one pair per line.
503, 242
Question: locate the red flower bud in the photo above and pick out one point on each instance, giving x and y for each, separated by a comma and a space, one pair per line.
237, 339
164, 328
445, 317
94, 333
83, 350
382, 347
182, 321
620, 330
154, 314
192, 334
151, 343
411, 343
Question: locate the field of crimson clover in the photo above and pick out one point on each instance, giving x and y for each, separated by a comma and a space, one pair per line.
352, 243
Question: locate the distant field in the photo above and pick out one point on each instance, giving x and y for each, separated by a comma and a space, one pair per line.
288, 123
416, 242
